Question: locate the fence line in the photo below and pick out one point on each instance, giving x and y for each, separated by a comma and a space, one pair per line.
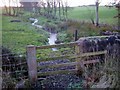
56, 45
64, 65
56, 72
14, 65
67, 64
12, 54
33, 66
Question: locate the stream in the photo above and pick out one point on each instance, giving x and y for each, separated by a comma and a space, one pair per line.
53, 36
55, 81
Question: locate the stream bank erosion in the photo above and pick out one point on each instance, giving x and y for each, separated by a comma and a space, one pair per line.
53, 36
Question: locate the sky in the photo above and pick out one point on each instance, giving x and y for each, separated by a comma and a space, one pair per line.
87, 2
70, 2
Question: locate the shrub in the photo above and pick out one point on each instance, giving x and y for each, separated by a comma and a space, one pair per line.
62, 26
10, 63
83, 28
50, 27
7, 57
110, 70
8, 82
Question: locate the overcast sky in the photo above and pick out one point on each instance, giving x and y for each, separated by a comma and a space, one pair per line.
70, 2
87, 2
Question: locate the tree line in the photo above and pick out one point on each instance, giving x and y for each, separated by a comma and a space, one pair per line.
50, 8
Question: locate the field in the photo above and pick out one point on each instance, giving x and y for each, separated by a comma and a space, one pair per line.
17, 35
85, 13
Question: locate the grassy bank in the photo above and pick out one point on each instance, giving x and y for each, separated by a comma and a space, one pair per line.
17, 35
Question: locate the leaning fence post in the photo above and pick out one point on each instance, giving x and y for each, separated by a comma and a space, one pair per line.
31, 62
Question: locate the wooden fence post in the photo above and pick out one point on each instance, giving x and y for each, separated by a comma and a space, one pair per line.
31, 62
79, 50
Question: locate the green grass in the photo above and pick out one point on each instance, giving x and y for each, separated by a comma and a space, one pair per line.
85, 13
17, 35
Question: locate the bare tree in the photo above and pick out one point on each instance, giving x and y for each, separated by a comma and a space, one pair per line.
66, 10
59, 10
6, 8
39, 7
9, 7
48, 8
35, 7
43, 5
11, 10
55, 8
63, 9
51, 9
16, 8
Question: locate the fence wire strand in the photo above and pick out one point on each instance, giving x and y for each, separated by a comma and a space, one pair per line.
15, 65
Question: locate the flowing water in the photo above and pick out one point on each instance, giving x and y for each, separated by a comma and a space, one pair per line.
52, 39
53, 36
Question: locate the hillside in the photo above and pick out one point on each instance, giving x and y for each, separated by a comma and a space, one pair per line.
17, 35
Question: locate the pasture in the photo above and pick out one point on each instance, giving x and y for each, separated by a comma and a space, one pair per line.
17, 35
86, 13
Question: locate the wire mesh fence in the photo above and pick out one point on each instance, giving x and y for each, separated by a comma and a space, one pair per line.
15, 65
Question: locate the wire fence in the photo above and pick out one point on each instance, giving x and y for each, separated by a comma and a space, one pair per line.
15, 65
